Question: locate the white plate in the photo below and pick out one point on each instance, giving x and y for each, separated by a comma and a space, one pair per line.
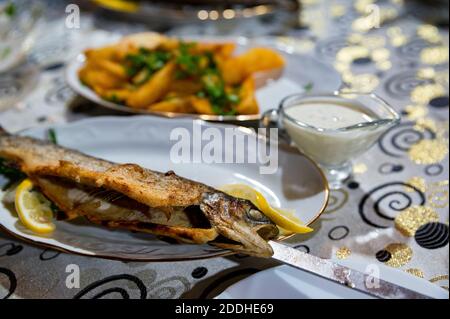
145, 140
286, 282
300, 70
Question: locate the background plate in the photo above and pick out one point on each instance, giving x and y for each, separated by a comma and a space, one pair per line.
300, 70
298, 183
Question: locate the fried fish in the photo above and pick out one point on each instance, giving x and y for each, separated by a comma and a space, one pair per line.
131, 197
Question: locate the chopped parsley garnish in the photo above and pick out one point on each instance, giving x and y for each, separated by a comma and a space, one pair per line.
151, 61
203, 67
191, 65
52, 136
10, 9
308, 87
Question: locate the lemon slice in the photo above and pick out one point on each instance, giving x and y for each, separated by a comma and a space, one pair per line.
285, 219
33, 208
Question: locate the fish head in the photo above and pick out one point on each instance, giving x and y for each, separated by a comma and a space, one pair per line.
245, 228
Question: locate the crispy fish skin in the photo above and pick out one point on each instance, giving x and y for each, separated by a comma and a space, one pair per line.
36, 157
238, 221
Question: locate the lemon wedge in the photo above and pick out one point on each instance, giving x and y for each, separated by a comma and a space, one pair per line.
33, 208
284, 219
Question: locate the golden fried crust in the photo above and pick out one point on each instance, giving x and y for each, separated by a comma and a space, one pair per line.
152, 188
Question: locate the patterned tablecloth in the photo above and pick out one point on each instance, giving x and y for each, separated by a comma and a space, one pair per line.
394, 211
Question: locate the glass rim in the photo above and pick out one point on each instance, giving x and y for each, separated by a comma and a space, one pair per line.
380, 122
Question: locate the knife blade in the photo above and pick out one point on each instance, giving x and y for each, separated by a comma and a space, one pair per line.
350, 278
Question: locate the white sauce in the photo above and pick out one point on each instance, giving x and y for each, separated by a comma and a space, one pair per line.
328, 115
325, 144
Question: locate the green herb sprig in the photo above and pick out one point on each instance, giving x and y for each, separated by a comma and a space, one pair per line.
151, 61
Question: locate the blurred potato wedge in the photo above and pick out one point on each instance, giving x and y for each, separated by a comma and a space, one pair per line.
185, 87
99, 78
237, 69
201, 105
132, 43
105, 53
113, 95
154, 89
175, 105
248, 103
112, 67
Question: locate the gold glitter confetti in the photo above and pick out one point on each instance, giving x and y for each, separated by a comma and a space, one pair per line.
434, 55
361, 82
416, 272
416, 112
364, 24
384, 65
342, 66
361, 5
351, 53
359, 168
439, 278
401, 254
429, 33
426, 73
343, 253
442, 78
410, 219
422, 94
396, 36
337, 10
438, 194
428, 151
380, 54
373, 42
423, 124
355, 38
297, 45
417, 182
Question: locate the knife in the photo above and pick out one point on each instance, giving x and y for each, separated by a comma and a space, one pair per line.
343, 275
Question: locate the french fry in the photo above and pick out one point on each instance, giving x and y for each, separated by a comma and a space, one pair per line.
154, 89
237, 69
176, 105
132, 43
260, 59
233, 71
104, 53
201, 105
248, 104
169, 44
114, 68
99, 78
114, 95
185, 87
226, 50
